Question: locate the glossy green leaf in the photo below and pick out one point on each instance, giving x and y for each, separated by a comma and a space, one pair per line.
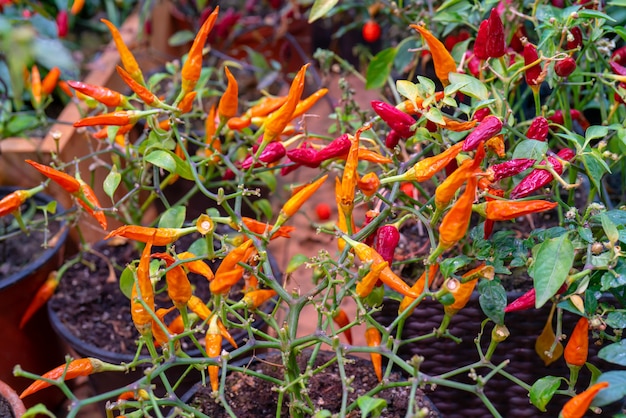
530, 148
588, 13
610, 229
320, 8
111, 182
472, 86
614, 353
264, 206
543, 390
407, 89
296, 261
127, 279
615, 391
434, 115
492, 299
551, 266
370, 406
595, 167
173, 217
616, 319
169, 161
450, 265
379, 69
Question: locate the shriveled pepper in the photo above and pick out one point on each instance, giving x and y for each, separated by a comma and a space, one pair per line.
190, 73
44, 293
577, 406
227, 107
442, 59
508, 168
488, 128
78, 367
213, 343
504, 210
398, 121
341, 319
373, 339
538, 178
128, 59
160, 236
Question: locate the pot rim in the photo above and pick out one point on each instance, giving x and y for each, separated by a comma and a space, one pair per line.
48, 254
9, 394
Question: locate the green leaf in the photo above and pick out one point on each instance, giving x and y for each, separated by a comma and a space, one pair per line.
173, 217
451, 265
610, 229
20, 124
127, 279
111, 182
616, 319
614, 353
530, 148
492, 300
434, 115
371, 406
543, 390
324, 413
587, 13
320, 8
620, 31
34, 411
264, 206
553, 261
379, 69
594, 132
169, 161
180, 38
199, 247
473, 87
428, 84
407, 89
268, 179
615, 391
51, 207
296, 261
595, 167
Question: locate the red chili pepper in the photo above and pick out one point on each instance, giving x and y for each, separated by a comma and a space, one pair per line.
397, 120
62, 20
373, 339
538, 178
78, 367
370, 215
89, 201
41, 297
480, 44
190, 73
565, 67
371, 31
508, 168
305, 156
488, 128
533, 73
12, 202
104, 95
336, 148
576, 40
538, 129
342, 320
577, 406
577, 348
392, 139
527, 300
481, 114
387, 240
619, 55
496, 43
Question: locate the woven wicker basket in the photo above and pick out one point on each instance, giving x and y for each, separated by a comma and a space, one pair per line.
444, 355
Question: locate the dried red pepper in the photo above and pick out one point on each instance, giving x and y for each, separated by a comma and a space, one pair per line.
538, 178
508, 168
488, 128
538, 129
577, 406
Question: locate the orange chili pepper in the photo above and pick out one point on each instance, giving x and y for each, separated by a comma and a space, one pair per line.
160, 236
65, 87
341, 319
265, 106
233, 257
12, 202
104, 95
418, 287
78, 367
577, 347
186, 104
49, 82
296, 201
461, 292
118, 118
369, 184
140, 394
227, 107
41, 297
256, 298
213, 343
425, 169
229, 271
349, 178
578, 405
496, 144
198, 307
104, 132
305, 105
442, 59
373, 339
67, 182
178, 286
140, 90
140, 315
128, 59
456, 126
505, 210
365, 286
193, 65
77, 6
373, 157
213, 143
262, 227
196, 266
88, 200
445, 192
454, 224
35, 86
161, 337
278, 120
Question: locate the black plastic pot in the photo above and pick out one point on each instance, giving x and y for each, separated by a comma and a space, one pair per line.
104, 382
36, 348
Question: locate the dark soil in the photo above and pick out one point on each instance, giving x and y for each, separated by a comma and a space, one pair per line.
252, 397
5, 409
91, 305
19, 251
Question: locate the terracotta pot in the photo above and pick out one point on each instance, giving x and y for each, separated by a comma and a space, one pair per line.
11, 406
36, 348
